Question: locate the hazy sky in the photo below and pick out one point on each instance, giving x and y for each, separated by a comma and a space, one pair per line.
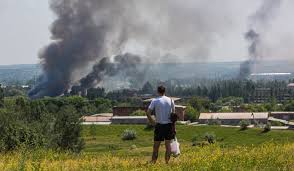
24, 30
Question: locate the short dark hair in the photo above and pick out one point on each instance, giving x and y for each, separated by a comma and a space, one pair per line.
161, 89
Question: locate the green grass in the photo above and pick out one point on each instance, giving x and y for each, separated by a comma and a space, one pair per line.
108, 138
234, 150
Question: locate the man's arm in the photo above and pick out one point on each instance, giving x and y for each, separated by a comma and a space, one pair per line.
149, 111
150, 119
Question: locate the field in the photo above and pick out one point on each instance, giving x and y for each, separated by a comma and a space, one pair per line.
234, 150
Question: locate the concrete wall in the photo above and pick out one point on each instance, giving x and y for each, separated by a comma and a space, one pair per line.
284, 116
127, 111
129, 120
181, 113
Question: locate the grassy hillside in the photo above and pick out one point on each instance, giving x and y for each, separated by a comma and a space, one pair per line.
108, 138
235, 150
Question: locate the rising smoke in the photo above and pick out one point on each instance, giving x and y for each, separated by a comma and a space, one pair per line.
258, 26
87, 30
122, 63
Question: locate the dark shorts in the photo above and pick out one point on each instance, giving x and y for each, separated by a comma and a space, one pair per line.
163, 132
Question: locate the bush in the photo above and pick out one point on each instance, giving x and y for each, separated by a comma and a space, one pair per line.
276, 123
1, 96
194, 140
138, 113
244, 124
15, 133
210, 137
66, 130
191, 114
267, 127
214, 122
28, 124
129, 134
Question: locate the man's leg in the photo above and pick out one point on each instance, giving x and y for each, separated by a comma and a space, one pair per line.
155, 151
167, 151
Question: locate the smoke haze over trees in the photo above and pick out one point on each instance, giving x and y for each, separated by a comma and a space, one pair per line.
85, 31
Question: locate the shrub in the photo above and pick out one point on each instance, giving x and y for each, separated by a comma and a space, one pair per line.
267, 127
129, 134
133, 147
276, 123
210, 137
28, 124
194, 140
244, 124
191, 114
214, 122
15, 134
66, 133
138, 113
1, 96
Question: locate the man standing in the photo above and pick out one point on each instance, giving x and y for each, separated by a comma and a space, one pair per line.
163, 107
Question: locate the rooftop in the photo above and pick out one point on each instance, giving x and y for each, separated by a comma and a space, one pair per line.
233, 116
97, 118
291, 85
180, 106
129, 117
282, 113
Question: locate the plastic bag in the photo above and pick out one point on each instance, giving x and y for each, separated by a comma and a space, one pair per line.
175, 148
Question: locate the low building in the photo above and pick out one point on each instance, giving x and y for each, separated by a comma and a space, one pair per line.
283, 115
261, 95
233, 118
127, 111
104, 118
180, 110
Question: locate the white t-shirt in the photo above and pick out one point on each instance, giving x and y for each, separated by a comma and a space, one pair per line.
163, 107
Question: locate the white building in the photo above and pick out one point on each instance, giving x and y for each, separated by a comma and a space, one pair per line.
233, 118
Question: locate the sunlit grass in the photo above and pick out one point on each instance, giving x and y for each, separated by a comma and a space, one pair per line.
263, 157
234, 150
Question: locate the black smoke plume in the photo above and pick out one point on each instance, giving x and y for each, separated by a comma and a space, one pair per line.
87, 30
78, 39
257, 27
122, 63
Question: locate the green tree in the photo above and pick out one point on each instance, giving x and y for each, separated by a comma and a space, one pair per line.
66, 133
289, 106
230, 101
103, 105
191, 114
14, 91
138, 113
200, 104
38, 109
22, 108
94, 93
1, 96
78, 102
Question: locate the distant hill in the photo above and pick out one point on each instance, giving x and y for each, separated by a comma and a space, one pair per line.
18, 74
11, 74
